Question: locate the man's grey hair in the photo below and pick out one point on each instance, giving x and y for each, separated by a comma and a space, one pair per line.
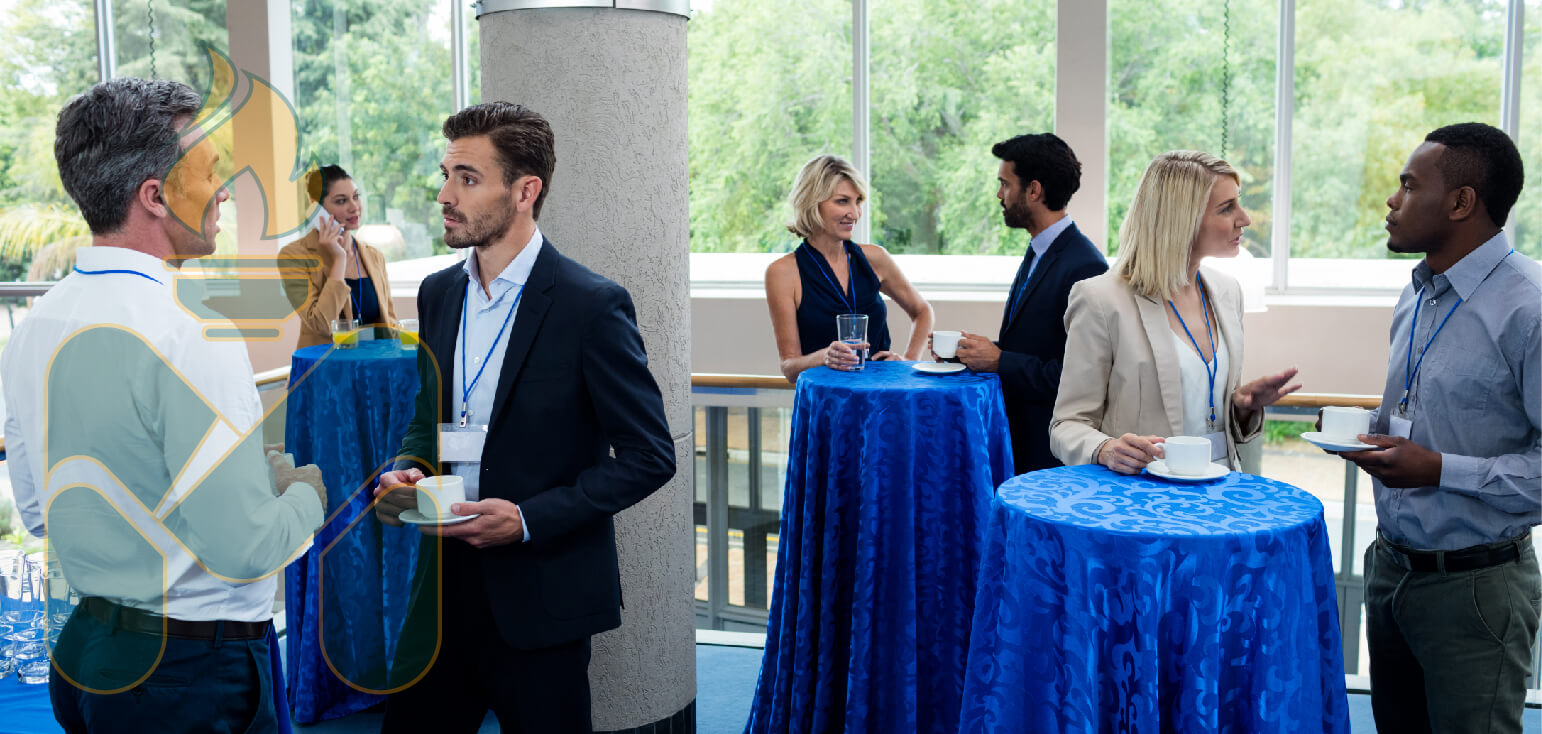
114, 137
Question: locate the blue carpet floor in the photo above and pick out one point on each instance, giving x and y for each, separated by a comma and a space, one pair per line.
725, 683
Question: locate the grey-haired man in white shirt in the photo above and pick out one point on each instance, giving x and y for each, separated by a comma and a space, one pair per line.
135, 444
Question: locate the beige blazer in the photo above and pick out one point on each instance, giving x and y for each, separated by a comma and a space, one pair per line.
1120, 374
330, 300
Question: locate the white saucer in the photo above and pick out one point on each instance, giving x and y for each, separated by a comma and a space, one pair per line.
413, 517
937, 368
1213, 471
1334, 444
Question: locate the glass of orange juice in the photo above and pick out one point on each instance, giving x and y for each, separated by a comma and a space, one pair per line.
345, 333
407, 333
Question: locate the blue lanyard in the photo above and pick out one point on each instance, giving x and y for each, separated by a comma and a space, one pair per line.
1409, 372
465, 390
1212, 365
118, 272
819, 263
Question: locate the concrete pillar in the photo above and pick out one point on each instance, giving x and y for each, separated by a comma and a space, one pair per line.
611, 81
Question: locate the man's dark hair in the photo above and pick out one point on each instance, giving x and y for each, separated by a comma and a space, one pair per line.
320, 181
1045, 158
114, 137
522, 138
1483, 157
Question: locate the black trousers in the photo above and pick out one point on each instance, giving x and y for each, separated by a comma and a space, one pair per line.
540, 691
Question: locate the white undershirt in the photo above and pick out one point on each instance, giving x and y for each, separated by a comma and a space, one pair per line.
1196, 407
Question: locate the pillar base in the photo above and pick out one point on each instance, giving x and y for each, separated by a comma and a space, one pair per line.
681, 722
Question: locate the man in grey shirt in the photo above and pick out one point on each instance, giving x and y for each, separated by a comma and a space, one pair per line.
1451, 583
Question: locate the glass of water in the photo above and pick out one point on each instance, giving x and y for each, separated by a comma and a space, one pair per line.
851, 329
7, 660
33, 673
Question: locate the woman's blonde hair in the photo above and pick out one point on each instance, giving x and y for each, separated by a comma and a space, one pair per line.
816, 183
1159, 230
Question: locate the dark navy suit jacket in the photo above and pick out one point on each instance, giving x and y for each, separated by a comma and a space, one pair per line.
1033, 343
577, 434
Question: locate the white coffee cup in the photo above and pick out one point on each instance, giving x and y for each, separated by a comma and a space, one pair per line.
437, 494
945, 343
1345, 424
1187, 455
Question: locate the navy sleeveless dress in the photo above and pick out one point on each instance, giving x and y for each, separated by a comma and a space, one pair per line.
823, 300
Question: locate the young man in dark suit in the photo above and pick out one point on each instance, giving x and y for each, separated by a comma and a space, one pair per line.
547, 411
1038, 175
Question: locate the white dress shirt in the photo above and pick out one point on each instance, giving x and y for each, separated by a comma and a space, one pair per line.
155, 438
489, 318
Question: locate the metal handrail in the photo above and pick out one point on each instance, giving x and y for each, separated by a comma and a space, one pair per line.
268, 378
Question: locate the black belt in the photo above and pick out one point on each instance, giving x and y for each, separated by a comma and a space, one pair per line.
1453, 561
149, 623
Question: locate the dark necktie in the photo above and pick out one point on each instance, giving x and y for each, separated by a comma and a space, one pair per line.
1019, 284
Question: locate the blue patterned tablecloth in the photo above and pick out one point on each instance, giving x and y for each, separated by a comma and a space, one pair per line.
25, 708
889, 480
346, 599
1130, 604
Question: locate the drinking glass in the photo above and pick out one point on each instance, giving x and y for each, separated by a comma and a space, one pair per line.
29, 659
33, 673
851, 329
345, 333
7, 661
407, 333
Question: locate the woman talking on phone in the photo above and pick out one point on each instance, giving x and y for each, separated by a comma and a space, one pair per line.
351, 282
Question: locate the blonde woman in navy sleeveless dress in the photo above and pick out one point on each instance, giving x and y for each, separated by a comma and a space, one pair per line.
829, 275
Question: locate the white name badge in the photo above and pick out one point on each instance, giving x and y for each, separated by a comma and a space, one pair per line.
461, 444
1217, 445
1401, 427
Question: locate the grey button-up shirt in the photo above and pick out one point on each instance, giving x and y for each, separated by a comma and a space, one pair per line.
1476, 399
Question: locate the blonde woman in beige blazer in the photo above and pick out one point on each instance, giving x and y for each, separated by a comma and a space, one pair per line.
343, 257
1122, 384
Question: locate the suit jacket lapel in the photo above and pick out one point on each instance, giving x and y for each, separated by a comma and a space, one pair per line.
1041, 271
1231, 333
1153, 317
534, 302
446, 335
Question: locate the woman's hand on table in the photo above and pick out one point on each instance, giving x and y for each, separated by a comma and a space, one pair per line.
887, 356
397, 491
1129, 454
839, 356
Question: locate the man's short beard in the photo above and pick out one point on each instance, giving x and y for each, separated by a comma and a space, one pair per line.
473, 233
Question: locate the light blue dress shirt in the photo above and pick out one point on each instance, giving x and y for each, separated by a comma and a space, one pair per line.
486, 339
1476, 399
1040, 244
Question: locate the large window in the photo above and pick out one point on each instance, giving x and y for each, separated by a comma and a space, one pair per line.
47, 53
769, 88
950, 78
1366, 97
1193, 75
1525, 224
372, 87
